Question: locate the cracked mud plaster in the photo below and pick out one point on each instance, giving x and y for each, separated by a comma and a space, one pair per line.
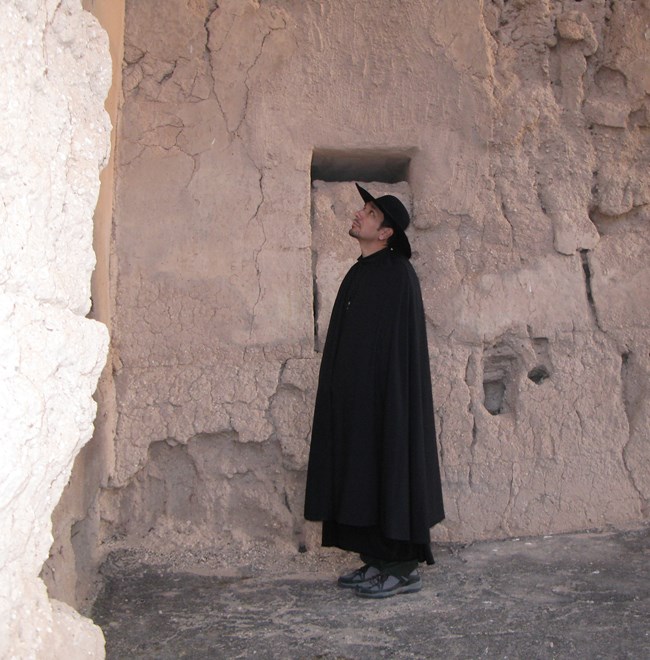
180, 486
553, 452
527, 128
237, 33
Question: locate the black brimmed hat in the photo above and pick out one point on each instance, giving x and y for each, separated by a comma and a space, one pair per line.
396, 216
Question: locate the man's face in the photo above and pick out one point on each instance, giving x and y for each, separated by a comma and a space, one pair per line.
366, 225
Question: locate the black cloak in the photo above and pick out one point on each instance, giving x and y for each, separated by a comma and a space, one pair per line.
373, 460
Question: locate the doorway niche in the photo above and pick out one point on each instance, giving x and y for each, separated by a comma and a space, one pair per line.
333, 200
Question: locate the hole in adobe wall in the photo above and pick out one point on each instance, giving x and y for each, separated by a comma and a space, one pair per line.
499, 364
494, 394
386, 165
538, 374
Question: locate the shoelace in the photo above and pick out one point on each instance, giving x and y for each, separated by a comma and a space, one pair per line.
379, 580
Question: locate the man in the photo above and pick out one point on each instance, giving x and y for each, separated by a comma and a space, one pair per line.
373, 476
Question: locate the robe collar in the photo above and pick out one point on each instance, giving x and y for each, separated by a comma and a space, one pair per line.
374, 256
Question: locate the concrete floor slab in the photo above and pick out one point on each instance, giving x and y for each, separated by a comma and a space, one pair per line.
568, 596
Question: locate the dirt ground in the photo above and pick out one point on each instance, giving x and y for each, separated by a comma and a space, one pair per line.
566, 596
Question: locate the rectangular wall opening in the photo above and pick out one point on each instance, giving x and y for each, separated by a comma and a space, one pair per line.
388, 165
333, 200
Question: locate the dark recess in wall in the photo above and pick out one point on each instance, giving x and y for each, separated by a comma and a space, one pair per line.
386, 165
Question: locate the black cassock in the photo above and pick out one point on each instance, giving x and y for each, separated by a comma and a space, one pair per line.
373, 463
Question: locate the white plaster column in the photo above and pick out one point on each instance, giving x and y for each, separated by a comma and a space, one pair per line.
54, 139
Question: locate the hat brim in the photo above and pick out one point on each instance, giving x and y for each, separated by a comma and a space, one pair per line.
399, 241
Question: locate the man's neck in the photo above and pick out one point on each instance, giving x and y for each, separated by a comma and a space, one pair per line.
367, 250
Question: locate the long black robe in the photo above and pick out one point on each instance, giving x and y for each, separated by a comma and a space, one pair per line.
373, 460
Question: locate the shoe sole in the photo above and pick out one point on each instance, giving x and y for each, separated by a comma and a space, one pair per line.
406, 589
352, 585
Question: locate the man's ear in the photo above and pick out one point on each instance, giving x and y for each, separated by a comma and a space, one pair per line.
385, 233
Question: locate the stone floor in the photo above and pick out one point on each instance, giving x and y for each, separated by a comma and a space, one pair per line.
570, 596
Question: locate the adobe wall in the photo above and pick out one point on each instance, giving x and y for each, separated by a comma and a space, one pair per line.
520, 133
54, 141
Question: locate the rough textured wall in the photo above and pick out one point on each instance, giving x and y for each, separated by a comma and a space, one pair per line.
56, 73
524, 127
71, 570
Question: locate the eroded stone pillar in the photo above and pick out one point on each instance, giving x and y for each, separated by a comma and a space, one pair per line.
70, 572
56, 72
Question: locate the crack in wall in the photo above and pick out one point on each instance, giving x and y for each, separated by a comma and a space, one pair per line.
629, 406
625, 359
504, 213
212, 9
472, 448
513, 492
246, 78
586, 268
256, 256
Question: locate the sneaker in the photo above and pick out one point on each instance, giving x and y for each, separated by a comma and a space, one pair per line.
359, 577
384, 586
